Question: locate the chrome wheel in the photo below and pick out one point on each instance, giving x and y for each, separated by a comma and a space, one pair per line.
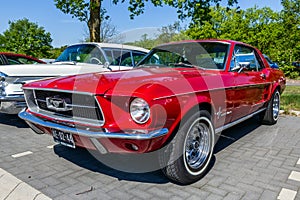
276, 105
187, 158
197, 146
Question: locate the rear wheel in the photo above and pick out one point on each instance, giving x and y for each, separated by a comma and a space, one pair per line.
271, 115
186, 159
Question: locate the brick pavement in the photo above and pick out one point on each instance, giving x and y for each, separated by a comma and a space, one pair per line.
250, 162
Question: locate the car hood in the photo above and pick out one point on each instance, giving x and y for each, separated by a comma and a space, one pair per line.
49, 70
157, 82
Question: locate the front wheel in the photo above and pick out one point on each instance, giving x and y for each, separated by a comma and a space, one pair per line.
186, 159
270, 116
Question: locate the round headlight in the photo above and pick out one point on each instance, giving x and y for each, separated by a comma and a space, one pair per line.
139, 110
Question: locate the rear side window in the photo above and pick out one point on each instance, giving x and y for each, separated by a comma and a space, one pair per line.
122, 57
247, 56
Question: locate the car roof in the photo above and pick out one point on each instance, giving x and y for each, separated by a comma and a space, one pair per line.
114, 45
21, 55
206, 40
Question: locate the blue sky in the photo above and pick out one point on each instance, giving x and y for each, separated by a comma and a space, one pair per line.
66, 30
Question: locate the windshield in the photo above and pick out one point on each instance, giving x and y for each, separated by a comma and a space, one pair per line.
205, 55
82, 53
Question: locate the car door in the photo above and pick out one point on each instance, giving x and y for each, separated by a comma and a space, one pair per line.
250, 82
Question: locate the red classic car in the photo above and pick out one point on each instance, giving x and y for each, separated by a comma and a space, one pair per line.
176, 101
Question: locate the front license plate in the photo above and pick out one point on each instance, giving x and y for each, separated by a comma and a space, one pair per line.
63, 138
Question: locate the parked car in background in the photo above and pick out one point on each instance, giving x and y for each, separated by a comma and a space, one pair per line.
75, 59
7, 58
271, 63
297, 65
177, 101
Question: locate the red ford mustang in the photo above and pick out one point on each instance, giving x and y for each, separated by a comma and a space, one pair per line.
176, 101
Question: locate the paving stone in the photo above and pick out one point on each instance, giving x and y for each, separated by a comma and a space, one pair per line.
251, 196
51, 192
254, 165
179, 192
286, 194
214, 197
217, 181
159, 193
215, 190
140, 193
267, 194
115, 194
232, 196
51, 181
233, 189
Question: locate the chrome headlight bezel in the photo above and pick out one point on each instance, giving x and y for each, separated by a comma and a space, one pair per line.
3, 84
2, 77
139, 110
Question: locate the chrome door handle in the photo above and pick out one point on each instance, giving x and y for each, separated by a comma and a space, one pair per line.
263, 76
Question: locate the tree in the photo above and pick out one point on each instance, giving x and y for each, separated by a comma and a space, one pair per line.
92, 13
27, 38
197, 10
89, 12
107, 31
290, 39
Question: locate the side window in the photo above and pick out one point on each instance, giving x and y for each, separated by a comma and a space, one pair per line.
13, 61
126, 59
246, 57
119, 57
137, 56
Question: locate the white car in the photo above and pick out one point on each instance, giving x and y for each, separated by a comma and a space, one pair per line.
75, 59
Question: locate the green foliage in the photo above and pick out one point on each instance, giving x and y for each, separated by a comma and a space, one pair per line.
166, 34
144, 42
77, 8
197, 11
276, 34
290, 98
290, 71
27, 38
55, 52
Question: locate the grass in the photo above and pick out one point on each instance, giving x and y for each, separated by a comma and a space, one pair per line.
290, 99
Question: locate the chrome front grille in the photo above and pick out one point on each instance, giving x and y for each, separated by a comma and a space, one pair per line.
75, 107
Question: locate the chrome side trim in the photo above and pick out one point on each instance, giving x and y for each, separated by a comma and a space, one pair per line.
235, 87
91, 134
219, 130
13, 98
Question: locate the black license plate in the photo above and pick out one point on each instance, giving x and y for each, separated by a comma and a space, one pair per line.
63, 138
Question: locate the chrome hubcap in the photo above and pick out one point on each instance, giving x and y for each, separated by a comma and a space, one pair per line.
276, 105
197, 145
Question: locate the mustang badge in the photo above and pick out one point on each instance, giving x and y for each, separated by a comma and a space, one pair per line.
58, 104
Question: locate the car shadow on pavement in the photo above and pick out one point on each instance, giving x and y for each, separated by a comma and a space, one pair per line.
131, 167
233, 134
12, 120
143, 167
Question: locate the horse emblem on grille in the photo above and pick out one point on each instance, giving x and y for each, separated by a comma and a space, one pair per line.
58, 104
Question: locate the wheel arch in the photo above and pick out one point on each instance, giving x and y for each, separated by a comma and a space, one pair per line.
189, 112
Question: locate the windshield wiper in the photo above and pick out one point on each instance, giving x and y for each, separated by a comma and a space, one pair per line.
149, 66
181, 64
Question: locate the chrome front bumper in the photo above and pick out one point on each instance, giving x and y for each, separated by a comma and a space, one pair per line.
12, 104
29, 118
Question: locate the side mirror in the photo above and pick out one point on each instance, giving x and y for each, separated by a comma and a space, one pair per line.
107, 65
